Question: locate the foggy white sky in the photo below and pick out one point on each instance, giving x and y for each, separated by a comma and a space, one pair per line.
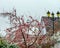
30, 7
35, 8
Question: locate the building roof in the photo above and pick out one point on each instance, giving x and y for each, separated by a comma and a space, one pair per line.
48, 22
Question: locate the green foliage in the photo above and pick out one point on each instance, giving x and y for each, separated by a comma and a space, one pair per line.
13, 46
5, 44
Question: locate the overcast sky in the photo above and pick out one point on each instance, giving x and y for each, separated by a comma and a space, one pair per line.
35, 8
30, 7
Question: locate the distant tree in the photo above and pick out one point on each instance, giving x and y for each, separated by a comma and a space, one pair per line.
25, 34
